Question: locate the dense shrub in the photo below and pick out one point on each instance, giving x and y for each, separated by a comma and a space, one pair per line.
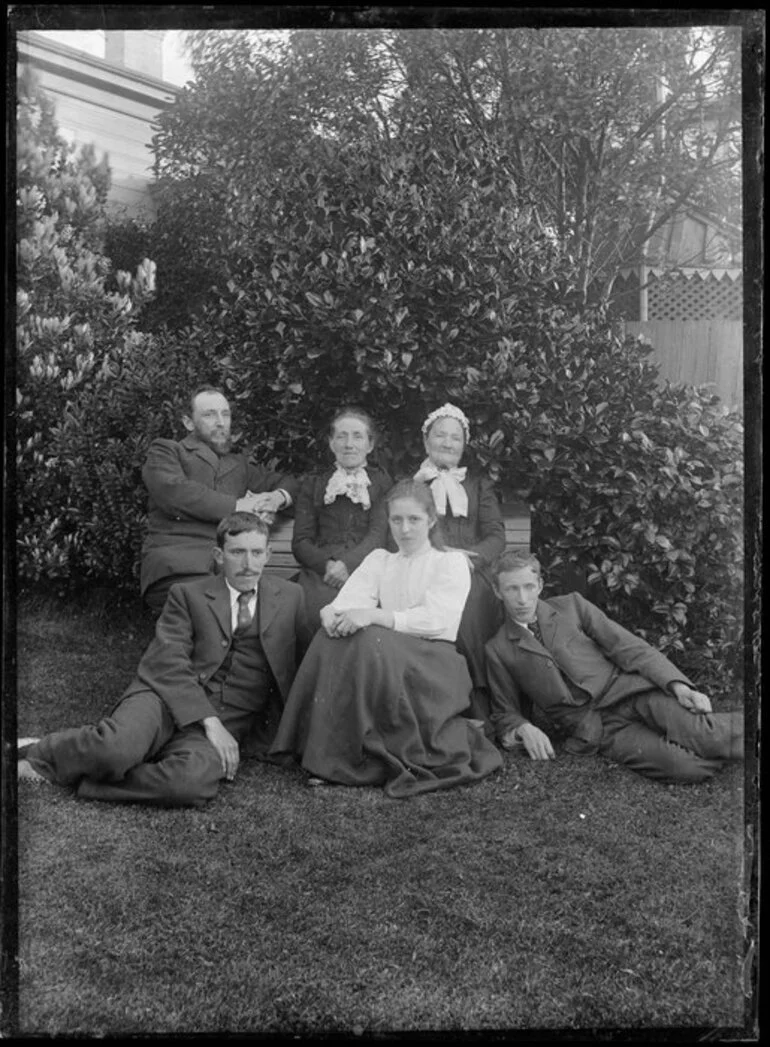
637, 483
373, 278
401, 274
641, 487
404, 277
72, 333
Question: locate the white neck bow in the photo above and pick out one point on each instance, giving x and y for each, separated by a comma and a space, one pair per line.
446, 486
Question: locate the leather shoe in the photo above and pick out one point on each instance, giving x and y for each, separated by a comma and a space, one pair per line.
23, 745
25, 772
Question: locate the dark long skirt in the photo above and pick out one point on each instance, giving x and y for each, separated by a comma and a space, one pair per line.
383, 708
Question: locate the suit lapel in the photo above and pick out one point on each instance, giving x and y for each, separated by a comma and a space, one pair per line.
268, 599
547, 620
195, 446
226, 464
521, 635
219, 597
221, 465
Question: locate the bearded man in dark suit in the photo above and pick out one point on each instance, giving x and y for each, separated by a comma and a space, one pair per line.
216, 675
563, 663
192, 484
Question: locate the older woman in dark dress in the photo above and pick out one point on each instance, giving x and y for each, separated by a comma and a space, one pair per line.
339, 516
471, 520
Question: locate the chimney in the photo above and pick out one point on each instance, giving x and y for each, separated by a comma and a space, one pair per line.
135, 49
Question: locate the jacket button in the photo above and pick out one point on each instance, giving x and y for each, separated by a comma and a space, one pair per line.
224, 643
202, 676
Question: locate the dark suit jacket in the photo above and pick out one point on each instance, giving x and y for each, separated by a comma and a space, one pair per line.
193, 637
604, 662
190, 489
343, 530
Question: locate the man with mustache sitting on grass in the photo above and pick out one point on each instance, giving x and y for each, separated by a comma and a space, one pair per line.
217, 673
564, 663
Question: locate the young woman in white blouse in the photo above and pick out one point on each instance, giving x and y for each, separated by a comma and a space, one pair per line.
379, 695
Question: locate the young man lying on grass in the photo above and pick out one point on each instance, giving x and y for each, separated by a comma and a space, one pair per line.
225, 652
565, 663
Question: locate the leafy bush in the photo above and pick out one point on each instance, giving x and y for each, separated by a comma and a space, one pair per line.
403, 274
640, 486
71, 334
369, 275
399, 274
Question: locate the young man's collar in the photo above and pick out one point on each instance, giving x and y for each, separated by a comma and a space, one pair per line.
235, 593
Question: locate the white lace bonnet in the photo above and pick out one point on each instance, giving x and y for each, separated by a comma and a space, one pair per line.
447, 411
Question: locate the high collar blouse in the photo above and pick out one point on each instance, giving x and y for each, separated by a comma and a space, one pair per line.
426, 591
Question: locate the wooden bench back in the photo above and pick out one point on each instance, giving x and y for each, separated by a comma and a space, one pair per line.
282, 562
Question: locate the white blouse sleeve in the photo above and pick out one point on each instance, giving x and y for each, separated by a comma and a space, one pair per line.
437, 615
362, 589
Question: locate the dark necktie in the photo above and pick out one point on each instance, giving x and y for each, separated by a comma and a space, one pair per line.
577, 693
534, 628
244, 614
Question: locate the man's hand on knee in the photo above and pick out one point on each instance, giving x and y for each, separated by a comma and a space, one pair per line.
225, 745
695, 701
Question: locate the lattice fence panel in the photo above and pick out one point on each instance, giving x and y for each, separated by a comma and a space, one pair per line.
680, 297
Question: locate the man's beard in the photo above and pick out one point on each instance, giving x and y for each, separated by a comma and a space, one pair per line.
220, 445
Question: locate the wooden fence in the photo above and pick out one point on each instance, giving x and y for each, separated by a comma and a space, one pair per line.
704, 352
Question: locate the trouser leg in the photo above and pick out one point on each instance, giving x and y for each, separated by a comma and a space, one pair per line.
185, 773
711, 735
135, 731
135, 755
655, 736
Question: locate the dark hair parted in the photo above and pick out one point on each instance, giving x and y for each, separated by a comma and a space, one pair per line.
422, 494
238, 523
516, 560
353, 411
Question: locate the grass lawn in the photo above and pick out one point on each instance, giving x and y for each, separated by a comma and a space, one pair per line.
572, 895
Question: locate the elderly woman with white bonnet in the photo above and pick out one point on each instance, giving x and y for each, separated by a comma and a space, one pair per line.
471, 520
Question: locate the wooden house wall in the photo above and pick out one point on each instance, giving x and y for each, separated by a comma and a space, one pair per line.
102, 104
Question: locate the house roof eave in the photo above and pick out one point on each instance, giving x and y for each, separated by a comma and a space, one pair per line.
76, 65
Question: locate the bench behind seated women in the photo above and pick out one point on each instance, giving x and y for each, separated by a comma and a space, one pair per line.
282, 562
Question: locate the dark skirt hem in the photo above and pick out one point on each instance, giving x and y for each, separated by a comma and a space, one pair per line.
384, 708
